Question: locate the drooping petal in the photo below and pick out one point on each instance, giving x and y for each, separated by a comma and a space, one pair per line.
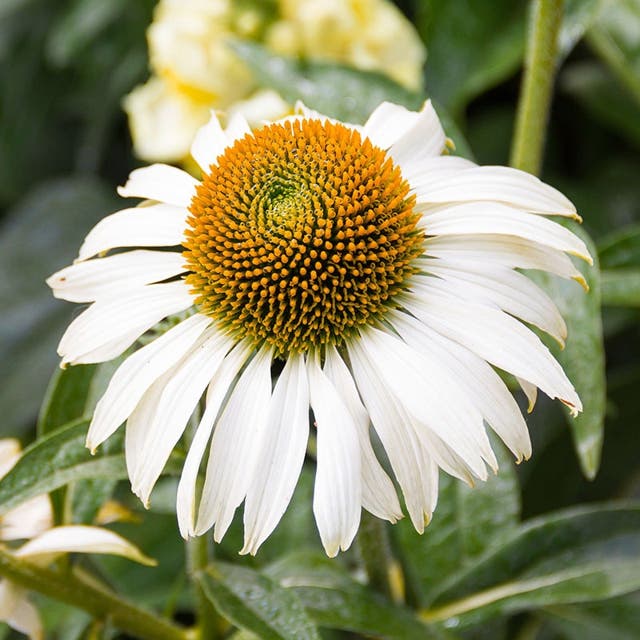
378, 493
120, 319
337, 495
10, 453
480, 218
87, 281
179, 397
222, 382
432, 395
495, 336
401, 444
235, 445
158, 225
497, 184
483, 385
513, 292
160, 182
504, 250
280, 460
137, 373
79, 539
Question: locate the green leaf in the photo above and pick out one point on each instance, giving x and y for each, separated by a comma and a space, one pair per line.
620, 248
583, 356
335, 600
335, 90
621, 287
52, 462
579, 555
41, 234
466, 522
471, 48
615, 619
256, 603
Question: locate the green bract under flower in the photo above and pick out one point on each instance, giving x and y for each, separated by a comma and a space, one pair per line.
301, 233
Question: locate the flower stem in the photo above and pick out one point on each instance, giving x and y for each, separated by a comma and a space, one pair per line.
95, 599
382, 569
537, 85
197, 560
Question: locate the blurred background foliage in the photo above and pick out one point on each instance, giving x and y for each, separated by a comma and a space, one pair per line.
65, 66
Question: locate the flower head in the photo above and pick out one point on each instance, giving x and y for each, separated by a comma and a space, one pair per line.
352, 270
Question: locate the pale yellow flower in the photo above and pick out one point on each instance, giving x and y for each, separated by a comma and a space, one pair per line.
195, 70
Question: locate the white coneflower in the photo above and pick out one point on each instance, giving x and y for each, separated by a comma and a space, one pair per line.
376, 274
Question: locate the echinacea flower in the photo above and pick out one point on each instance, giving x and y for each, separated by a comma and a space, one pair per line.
33, 521
373, 278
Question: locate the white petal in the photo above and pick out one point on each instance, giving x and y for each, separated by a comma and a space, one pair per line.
498, 219
119, 320
481, 383
401, 444
137, 373
79, 539
511, 291
236, 442
337, 495
88, 281
177, 402
498, 184
530, 391
218, 389
10, 453
162, 183
28, 519
158, 225
432, 395
378, 493
212, 140
424, 139
388, 123
433, 170
503, 250
497, 337
18, 612
280, 460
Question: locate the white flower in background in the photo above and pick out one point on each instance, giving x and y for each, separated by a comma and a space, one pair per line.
33, 521
373, 276
194, 69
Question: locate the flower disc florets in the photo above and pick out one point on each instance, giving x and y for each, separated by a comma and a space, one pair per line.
299, 234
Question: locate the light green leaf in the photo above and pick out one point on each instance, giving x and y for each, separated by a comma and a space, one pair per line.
466, 522
621, 287
335, 600
335, 90
583, 356
52, 462
256, 603
579, 555
471, 47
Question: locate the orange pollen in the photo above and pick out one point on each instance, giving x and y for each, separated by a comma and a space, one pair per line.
301, 233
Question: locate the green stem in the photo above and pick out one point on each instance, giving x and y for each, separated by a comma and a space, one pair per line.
197, 560
537, 85
101, 603
382, 569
